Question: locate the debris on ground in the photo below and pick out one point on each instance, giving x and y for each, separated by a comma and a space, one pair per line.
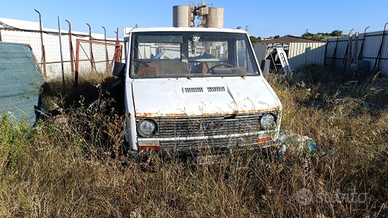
292, 142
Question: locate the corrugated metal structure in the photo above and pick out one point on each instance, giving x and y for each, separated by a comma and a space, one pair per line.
300, 51
368, 51
20, 83
301, 54
260, 51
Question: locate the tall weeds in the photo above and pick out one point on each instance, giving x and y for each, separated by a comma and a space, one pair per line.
73, 164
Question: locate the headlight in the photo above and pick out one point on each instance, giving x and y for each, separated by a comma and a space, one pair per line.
146, 128
268, 121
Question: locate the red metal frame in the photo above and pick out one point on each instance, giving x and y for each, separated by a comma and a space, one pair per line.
117, 56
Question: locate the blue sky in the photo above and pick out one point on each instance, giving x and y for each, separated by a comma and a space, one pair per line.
264, 18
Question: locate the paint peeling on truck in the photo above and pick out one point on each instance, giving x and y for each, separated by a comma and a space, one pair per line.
193, 88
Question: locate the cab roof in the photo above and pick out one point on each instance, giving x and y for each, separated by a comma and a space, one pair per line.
185, 29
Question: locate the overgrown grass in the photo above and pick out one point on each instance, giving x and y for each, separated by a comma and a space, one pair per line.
71, 165
66, 94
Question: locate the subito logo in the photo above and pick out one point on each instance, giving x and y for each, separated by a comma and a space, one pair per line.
304, 196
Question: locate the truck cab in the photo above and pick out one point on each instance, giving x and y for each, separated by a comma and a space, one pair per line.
189, 89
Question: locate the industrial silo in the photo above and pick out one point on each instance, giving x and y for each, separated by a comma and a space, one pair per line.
182, 16
215, 17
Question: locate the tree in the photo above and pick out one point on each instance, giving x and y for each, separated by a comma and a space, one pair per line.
324, 34
307, 35
336, 33
253, 39
277, 36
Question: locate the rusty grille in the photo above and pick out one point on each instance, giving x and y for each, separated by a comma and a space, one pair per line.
172, 127
214, 144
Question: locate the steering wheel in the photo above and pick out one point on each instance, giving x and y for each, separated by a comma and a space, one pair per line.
219, 65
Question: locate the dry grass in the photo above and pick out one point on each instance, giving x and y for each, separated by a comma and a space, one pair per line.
71, 165
89, 87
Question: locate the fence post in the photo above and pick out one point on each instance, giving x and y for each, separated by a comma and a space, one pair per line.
71, 48
60, 49
106, 51
378, 58
348, 52
76, 63
333, 60
91, 48
41, 39
360, 56
355, 52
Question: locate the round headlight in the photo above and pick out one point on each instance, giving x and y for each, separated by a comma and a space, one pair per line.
268, 121
146, 128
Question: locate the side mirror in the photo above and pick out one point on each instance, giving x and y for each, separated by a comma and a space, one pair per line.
119, 70
265, 65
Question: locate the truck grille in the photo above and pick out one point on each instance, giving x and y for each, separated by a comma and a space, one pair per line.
211, 143
173, 127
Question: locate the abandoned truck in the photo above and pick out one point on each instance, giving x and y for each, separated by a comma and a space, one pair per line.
188, 89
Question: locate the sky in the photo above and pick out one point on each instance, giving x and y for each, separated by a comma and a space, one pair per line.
263, 18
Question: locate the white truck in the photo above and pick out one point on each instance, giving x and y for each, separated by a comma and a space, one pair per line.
190, 89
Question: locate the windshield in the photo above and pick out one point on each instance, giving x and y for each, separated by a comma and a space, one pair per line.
191, 54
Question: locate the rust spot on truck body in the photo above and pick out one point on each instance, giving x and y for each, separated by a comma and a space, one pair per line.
204, 114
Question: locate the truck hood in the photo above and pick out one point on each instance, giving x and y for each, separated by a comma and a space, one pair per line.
202, 96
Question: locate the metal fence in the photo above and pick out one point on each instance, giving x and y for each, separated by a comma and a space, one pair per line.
299, 54
49, 55
303, 54
366, 50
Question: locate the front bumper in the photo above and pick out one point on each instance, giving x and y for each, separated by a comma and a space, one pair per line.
205, 144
